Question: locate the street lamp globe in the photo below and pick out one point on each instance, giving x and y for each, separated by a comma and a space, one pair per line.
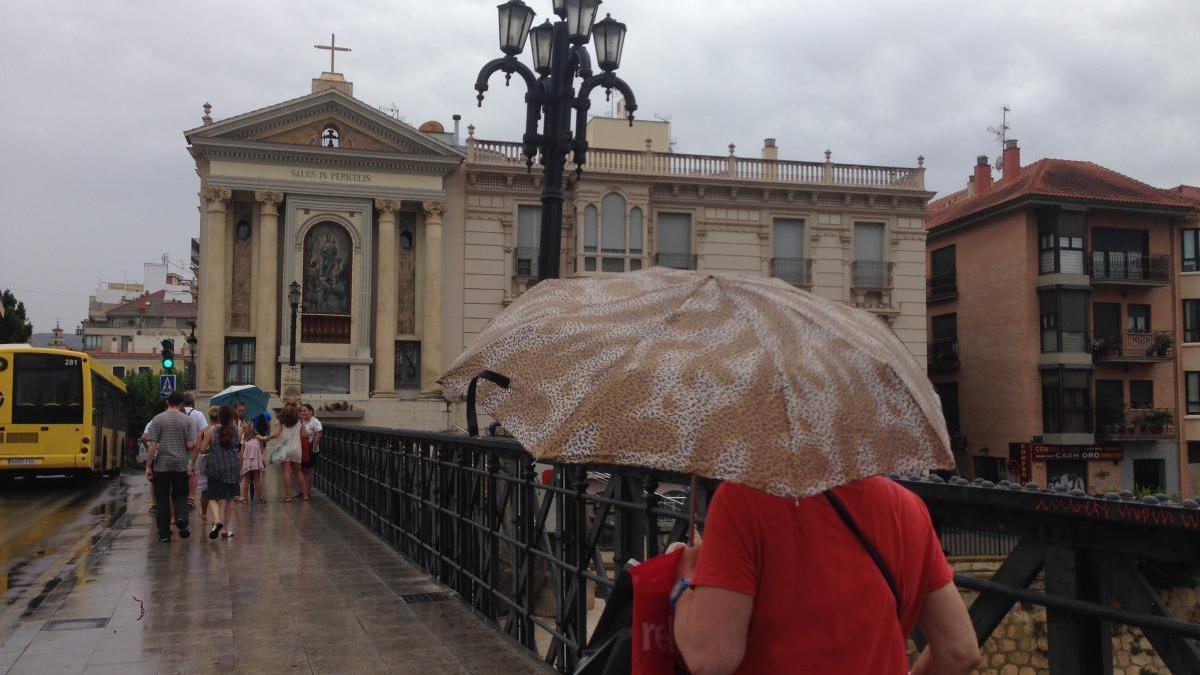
610, 41
541, 39
294, 294
515, 19
581, 14
560, 7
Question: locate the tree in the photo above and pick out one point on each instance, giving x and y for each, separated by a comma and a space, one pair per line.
14, 326
144, 401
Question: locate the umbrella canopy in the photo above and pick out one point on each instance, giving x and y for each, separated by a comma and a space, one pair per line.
256, 399
731, 377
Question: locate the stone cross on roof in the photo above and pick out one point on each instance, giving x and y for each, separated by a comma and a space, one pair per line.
333, 50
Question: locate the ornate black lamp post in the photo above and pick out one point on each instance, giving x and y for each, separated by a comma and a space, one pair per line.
191, 343
559, 55
294, 300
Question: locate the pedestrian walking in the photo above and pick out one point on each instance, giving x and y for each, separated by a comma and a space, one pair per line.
197, 466
223, 466
289, 453
171, 436
199, 422
252, 465
310, 440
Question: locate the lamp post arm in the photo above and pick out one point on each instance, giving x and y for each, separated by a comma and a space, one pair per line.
582, 61
510, 65
610, 81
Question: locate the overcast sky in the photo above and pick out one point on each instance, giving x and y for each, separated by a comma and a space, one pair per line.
95, 178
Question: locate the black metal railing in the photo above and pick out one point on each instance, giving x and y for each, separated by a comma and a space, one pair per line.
871, 274
1134, 423
941, 286
1129, 267
943, 354
524, 544
527, 261
680, 261
795, 271
1132, 346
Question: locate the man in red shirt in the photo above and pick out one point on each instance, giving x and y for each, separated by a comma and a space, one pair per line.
784, 586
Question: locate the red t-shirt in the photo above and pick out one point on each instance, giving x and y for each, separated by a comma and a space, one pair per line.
820, 603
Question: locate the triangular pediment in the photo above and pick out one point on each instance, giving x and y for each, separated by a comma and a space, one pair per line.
303, 122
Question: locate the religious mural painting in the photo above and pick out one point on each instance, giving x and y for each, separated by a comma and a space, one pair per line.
327, 270
406, 268
243, 264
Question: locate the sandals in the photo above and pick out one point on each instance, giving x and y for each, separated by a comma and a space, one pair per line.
261, 500
240, 500
286, 500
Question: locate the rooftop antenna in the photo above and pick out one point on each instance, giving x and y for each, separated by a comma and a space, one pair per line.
391, 110
1001, 134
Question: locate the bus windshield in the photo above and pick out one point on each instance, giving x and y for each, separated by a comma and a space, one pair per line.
47, 389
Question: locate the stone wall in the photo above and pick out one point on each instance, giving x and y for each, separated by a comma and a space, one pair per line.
1019, 646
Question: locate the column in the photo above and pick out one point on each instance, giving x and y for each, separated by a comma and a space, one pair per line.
212, 290
431, 315
266, 279
386, 285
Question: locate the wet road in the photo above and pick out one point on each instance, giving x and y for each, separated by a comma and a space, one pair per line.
45, 526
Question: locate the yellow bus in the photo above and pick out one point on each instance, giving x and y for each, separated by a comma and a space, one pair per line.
58, 414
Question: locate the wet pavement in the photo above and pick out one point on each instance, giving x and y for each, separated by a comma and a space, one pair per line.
300, 588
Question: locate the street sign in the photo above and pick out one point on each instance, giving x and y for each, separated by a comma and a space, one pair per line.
166, 385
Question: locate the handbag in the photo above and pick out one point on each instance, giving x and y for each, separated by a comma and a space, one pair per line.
305, 446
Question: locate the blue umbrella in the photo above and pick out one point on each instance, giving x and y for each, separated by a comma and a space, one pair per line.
256, 399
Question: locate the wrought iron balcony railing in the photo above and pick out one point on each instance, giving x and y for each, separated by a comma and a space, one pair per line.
1129, 267
871, 274
527, 261
795, 271
941, 287
1133, 346
679, 261
326, 328
943, 355
1136, 423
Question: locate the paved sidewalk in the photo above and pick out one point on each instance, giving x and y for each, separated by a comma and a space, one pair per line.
300, 588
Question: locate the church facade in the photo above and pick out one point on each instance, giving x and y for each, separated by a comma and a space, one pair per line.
403, 242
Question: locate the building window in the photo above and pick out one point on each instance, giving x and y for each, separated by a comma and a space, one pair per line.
943, 347
239, 361
1064, 321
868, 269
1066, 407
1191, 320
529, 221
331, 136
408, 365
615, 233
948, 394
1191, 250
787, 252
1149, 474
675, 241
1141, 394
118, 371
1192, 379
1193, 450
1138, 319
93, 343
1060, 241
943, 277
144, 370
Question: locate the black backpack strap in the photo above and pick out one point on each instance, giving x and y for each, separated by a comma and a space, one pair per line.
490, 376
862, 538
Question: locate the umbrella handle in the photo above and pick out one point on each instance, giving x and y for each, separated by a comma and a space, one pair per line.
491, 376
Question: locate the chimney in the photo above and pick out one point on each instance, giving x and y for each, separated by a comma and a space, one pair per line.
457, 120
983, 174
1011, 163
770, 151
970, 186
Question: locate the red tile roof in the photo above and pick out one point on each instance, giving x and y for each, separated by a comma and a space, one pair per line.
1191, 192
1056, 179
155, 304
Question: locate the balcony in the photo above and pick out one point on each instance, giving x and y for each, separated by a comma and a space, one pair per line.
943, 355
325, 328
871, 275
679, 261
1133, 347
795, 271
1128, 268
1136, 424
941, 287
527, 261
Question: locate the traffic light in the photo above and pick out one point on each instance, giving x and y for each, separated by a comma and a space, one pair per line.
168, 354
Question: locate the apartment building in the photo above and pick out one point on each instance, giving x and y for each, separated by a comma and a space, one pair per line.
1054, 323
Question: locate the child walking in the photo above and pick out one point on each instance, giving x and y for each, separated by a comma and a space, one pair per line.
252, 464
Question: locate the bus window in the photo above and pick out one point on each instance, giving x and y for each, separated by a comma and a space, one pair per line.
47, 389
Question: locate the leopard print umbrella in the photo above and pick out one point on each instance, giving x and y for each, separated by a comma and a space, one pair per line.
731, 377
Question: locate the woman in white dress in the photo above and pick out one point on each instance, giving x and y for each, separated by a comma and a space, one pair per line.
289, 454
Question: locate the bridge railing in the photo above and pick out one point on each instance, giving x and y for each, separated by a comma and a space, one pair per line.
529, 546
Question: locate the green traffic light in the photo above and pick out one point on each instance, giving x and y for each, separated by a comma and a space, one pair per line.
168, 363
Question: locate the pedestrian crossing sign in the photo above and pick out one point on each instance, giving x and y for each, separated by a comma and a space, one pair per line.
166, 385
